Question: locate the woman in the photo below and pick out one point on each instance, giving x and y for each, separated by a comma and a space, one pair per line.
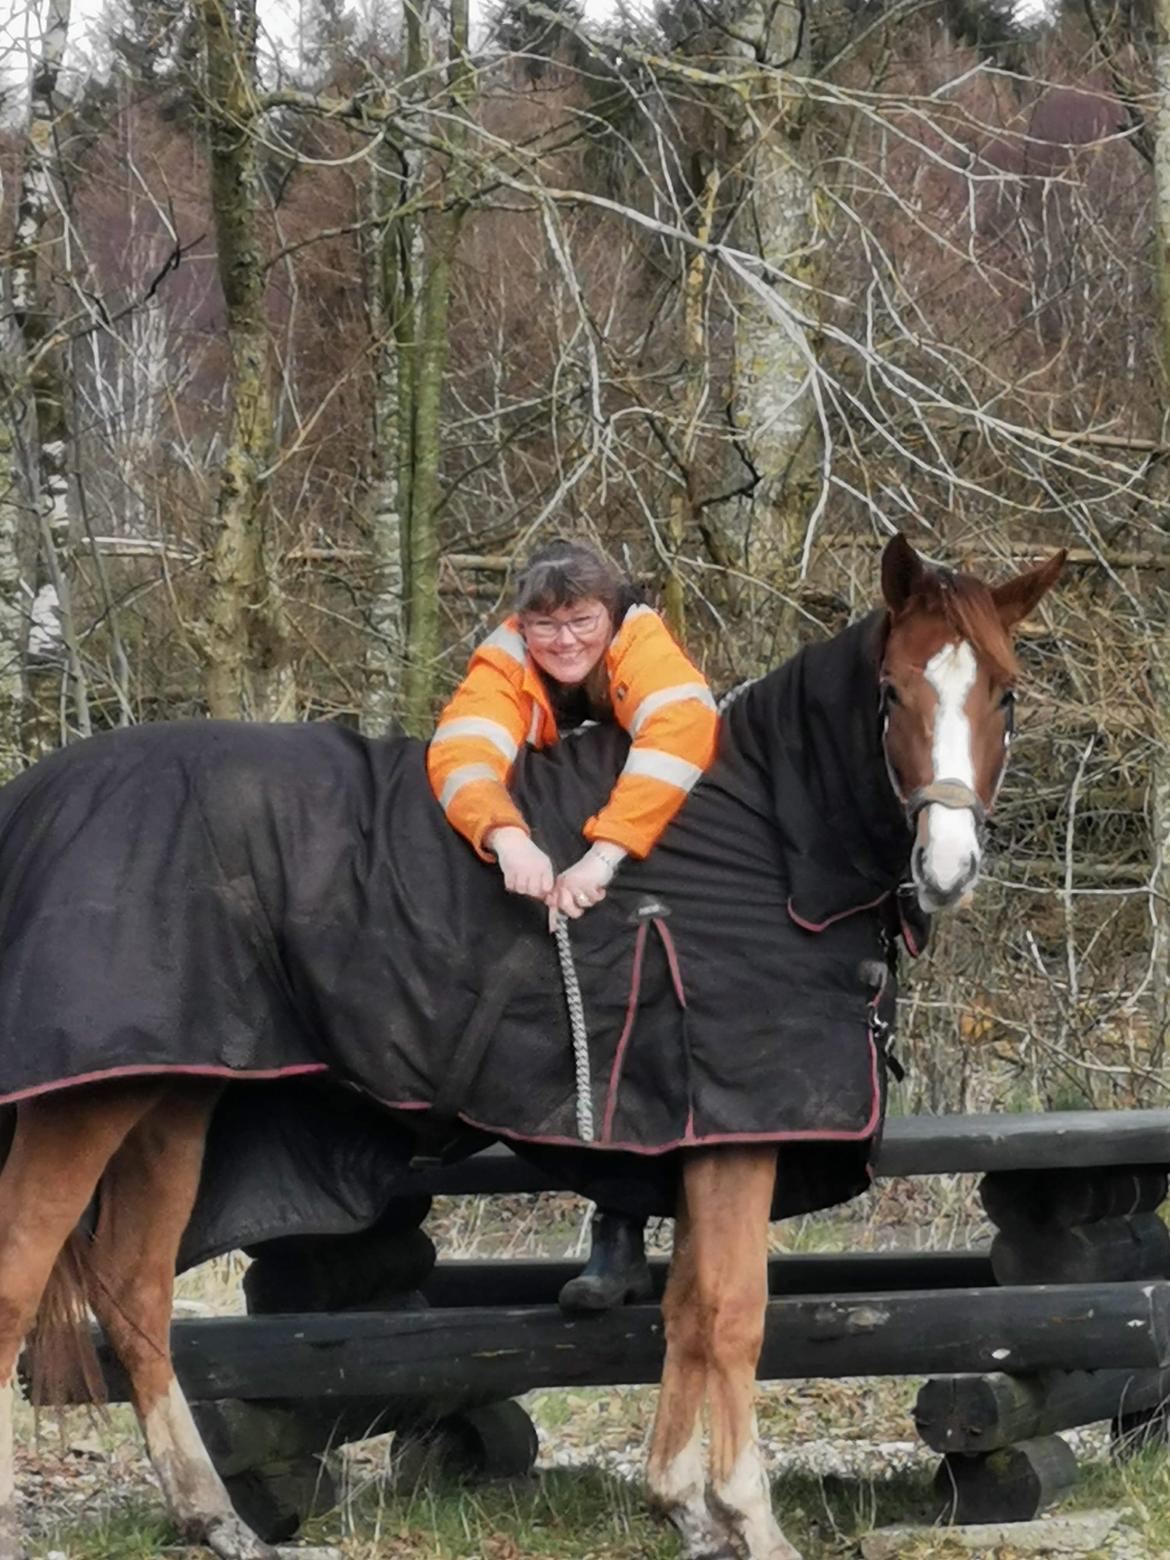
580, 646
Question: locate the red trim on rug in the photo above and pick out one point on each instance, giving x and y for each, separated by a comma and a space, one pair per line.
672, 960
689, 1139
136, 1071
841, 915
912, 947
619, 1056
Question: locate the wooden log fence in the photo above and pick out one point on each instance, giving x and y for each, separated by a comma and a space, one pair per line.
481, 1353
971, 1414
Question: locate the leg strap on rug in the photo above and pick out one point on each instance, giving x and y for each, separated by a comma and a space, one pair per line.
520, 960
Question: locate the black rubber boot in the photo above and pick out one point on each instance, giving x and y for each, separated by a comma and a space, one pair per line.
616, 1271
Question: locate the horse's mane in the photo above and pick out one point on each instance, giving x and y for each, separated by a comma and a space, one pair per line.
966, 605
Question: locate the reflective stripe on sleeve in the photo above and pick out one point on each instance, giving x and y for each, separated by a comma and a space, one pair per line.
477, 726
653, 764
653, 702
509, 641
465, 775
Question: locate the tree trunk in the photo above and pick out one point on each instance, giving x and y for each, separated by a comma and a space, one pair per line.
681, 518
430, 361
1159, 638
774, 475
12, 629
246, 632
37, 246
386, 635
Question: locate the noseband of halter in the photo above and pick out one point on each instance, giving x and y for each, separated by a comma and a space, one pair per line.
955, 794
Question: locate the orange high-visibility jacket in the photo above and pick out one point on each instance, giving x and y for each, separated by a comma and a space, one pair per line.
658, 696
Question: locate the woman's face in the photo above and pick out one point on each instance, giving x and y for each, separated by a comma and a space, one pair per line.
568, 643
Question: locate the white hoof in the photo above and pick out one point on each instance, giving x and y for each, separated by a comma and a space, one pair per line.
231, 1539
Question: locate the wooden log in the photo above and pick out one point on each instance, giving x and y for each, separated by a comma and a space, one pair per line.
1111, 1251
491, 1439
1022, 1199
983, 1413
482, 1354
1013, 1484
911, 1145
537, 1281
277, 1498
931, 1145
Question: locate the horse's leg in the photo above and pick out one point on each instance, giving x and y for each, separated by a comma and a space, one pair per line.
61, 1145
729, 1196
147, 1194
675, 1476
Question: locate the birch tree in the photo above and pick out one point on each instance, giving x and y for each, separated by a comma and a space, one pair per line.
37, 266
395, 265
771, 477
13, 511
427, 360
388, 526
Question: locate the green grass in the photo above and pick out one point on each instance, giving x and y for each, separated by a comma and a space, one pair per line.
586, 1514
590, 1514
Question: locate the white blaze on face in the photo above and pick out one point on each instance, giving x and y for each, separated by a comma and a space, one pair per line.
951, 842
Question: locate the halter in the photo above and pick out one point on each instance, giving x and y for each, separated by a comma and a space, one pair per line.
954, 794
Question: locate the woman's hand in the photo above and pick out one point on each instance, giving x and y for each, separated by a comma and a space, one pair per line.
584, 883
526, 868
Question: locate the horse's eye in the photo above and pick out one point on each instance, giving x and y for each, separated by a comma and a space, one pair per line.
890, 694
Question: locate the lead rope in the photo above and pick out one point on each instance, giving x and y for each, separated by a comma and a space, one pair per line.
578, 1029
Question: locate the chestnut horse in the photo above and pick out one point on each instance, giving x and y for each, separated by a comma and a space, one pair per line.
944, 702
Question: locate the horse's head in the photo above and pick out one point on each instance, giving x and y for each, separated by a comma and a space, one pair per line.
948, 676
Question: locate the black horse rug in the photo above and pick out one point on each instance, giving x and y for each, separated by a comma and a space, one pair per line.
287, 903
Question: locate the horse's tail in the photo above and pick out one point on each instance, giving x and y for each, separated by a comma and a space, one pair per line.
62, 1361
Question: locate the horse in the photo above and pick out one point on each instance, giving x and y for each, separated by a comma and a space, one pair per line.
128, 1135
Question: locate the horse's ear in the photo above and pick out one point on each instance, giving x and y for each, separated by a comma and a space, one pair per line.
902, 572
1015, 598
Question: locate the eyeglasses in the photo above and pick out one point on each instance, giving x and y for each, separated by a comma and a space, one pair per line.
545, 630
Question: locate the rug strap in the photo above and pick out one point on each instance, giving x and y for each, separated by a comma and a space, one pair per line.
467, 1057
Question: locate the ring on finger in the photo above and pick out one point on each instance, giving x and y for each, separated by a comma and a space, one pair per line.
582, 899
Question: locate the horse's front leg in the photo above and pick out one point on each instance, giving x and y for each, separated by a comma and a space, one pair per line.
729, 1197
675, 1475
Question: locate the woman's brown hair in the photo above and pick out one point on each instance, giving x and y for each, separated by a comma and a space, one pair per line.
561, 573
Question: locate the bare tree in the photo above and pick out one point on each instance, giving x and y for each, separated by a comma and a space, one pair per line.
246, 632
37, 267
429, 362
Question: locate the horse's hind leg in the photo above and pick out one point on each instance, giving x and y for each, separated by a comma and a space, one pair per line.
729, 1195
675, 1476
146, 1199
61, 1145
